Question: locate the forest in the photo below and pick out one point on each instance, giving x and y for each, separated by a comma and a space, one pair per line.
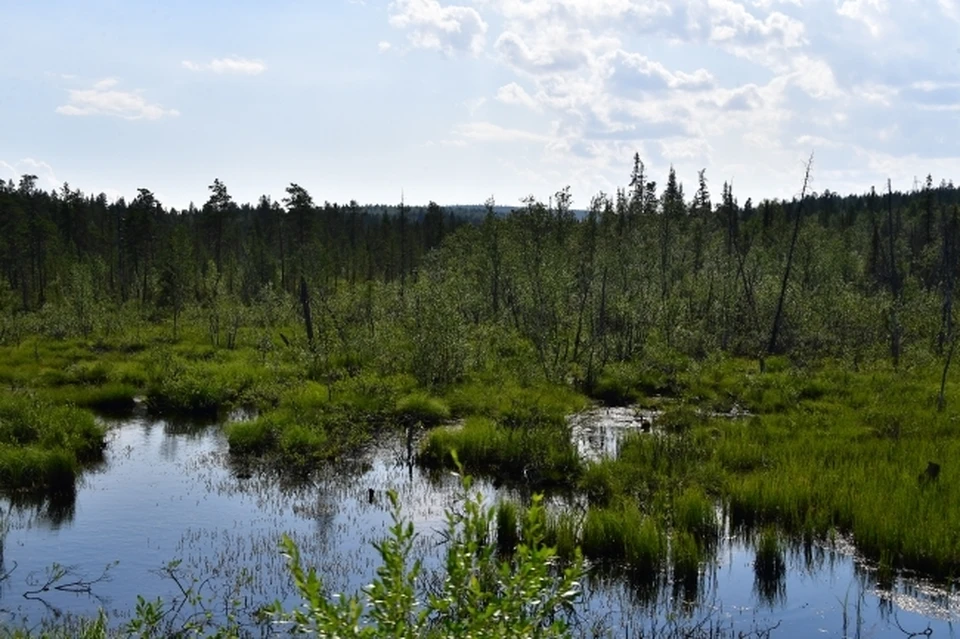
797, 353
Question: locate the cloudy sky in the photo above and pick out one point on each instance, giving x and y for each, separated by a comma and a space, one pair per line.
462, 99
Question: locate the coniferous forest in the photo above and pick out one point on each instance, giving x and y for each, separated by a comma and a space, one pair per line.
796, 354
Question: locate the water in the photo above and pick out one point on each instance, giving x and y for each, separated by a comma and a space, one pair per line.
168, 491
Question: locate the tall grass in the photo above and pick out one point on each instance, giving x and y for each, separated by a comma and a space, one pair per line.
42, 446
542, 453
827, 450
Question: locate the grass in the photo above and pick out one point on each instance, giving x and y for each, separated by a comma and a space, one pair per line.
314, 422
42, 445
502, 398
541, 453
826, 451
625, 536
421, 408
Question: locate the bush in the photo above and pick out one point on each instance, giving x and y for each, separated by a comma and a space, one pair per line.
523, 596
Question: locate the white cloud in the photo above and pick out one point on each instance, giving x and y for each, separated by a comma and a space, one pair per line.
871, 13
232, 65
513, 93
448, 29
815, 77
950, 9
686, 149
103, 98
383, 46
727, 84
635, 71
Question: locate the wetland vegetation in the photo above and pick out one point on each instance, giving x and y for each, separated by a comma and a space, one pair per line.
796, 356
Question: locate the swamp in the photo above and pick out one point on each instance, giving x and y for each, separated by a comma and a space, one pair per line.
652, 417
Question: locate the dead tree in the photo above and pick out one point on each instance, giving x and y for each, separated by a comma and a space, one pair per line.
307, 317
895, 289
778, 318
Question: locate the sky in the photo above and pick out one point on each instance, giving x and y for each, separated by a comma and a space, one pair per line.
457, 101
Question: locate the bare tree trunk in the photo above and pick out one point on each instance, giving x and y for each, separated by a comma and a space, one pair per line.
305, 303
942, 399
894, 283
778, 318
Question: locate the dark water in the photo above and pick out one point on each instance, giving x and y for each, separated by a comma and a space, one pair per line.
167, 492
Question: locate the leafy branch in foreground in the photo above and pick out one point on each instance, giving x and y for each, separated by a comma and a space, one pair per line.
527, 595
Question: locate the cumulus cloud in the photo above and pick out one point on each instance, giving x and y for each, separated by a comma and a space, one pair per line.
229, 65
872, 13
431, 25
727, 84
104, 98
633, 71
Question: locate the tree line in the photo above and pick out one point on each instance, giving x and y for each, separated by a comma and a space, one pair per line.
569, 292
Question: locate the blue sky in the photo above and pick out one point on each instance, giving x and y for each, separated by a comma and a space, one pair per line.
458, 100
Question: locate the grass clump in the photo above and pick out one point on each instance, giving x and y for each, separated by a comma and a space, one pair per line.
694, 512
625, 536
315, 422
504, 399
421, 408
562, 533
256, 436
541, 454
110, 397
42, 445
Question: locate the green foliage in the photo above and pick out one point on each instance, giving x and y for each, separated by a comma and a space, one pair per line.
524, 595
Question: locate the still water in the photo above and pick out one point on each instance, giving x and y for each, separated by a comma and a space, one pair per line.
168, 492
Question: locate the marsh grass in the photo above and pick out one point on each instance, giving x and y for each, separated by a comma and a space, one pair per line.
421, 408
827, 450
502, 398
43, 446
313, 422
542, 453
562, 532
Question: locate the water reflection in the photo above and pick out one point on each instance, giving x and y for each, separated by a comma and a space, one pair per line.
169, 490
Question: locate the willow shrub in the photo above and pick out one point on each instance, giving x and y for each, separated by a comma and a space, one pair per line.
525, 595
